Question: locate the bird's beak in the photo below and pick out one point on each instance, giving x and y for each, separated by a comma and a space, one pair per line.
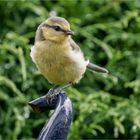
69, 32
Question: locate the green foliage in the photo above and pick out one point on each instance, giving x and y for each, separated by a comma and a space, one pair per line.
105, 106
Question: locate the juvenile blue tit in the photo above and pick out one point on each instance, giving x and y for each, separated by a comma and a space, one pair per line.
57, 56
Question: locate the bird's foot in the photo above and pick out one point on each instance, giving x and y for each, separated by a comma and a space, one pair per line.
53, 92
51, 95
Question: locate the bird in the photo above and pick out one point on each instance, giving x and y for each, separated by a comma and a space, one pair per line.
57, 56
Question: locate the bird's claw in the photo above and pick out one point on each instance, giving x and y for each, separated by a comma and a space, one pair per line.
51, 95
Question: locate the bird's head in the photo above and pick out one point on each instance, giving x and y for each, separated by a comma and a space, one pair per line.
56, 29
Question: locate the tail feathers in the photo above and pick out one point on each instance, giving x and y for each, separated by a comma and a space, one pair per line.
97, 68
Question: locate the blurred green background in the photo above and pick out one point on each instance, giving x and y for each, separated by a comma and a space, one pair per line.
105, 106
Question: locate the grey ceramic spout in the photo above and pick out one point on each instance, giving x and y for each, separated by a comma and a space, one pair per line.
58, 125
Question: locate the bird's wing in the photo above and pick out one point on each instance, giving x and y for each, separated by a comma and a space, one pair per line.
91, 66
74, 46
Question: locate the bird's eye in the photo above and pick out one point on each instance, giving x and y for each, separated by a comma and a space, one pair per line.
57, 28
